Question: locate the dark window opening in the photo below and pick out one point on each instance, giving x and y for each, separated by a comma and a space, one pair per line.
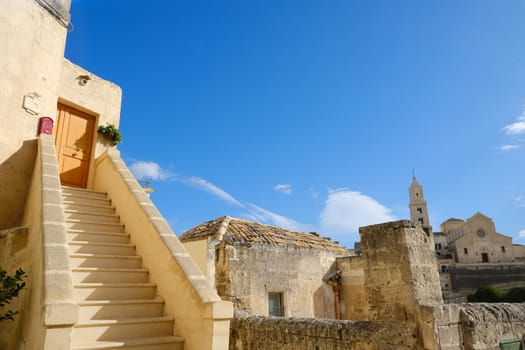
485, 257
275, 304
465, 250
502, 249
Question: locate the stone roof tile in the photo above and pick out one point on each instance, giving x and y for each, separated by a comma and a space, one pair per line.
238, 231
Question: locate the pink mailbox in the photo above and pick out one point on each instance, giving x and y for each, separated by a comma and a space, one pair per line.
45, 126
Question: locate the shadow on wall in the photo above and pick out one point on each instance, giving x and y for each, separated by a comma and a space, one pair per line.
15, 175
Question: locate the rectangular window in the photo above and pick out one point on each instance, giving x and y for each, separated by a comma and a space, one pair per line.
275, 304
438, 246
419, 210
502, 249
421, 221
465, 250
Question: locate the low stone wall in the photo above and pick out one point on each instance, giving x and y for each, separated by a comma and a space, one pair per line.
478, 326
471, 277
272, 333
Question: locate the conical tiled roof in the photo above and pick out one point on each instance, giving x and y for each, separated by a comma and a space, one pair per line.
239, 231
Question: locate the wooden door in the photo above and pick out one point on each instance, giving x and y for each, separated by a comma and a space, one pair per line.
74, 141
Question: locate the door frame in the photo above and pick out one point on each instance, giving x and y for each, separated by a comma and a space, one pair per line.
95, 117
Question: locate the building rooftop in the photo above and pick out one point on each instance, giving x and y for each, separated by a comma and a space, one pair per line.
239, 231
454, 219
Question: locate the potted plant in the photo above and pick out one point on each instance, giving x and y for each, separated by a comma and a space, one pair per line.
110, 132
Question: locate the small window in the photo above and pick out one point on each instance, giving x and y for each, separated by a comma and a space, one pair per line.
419, 210
444, 268
275, 304
421, 221
465, 250
502, 249
438, 246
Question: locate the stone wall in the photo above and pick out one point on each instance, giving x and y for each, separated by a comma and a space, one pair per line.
271, 333
354, 305
471, 277
246, 274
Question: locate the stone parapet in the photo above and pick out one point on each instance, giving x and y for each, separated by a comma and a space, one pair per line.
201, 317
255, 333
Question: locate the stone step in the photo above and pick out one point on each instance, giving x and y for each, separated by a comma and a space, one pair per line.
97, 237
110, 261
113, 291
109, 275
116, 249
87, 208
157, 343
82, 200
91, 217
82, 192
114, 309
94, 226
122, 329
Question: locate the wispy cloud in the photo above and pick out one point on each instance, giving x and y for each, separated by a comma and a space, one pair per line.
259, 214
516, 128
507, 148
209, 187
346, 210
521, 234
283, 188
314, 194
153, 171
148, 170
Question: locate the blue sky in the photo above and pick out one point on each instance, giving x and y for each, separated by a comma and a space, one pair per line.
311, 115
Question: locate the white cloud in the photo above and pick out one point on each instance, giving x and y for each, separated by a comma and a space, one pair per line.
516, 128
520, 200
153, 171
148, 170
345, 211
259, 214
210, 188
521, 234
284, 188
507, 148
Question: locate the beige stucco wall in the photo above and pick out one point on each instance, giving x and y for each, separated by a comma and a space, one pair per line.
199, 252
32, 43
99, 98
245, 275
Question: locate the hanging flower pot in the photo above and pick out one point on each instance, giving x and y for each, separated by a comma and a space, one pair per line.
110, 132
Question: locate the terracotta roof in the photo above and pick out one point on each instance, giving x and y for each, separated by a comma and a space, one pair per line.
238, 231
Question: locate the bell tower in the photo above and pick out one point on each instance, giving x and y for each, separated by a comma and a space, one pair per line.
418, 204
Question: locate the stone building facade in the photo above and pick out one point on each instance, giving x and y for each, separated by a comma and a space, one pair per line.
266, 270
470, 253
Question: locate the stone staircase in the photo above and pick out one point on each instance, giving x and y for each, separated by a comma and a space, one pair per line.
119, 308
